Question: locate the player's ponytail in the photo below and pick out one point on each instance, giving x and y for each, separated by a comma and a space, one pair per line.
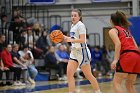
120, 19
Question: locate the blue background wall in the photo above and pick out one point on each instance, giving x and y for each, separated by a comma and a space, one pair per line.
135, 28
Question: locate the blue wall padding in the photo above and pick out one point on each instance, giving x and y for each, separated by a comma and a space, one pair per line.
135, 28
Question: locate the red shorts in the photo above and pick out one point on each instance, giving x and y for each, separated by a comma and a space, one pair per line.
129, 63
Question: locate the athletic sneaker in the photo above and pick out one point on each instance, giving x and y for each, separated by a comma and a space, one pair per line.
62, 79
18, 83
31, 81
15, 83
21, 84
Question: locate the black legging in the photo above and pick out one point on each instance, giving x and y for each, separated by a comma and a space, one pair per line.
62, 68
1, 74
7, 74
17, 73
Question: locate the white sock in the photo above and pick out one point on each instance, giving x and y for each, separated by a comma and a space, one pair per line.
98, 91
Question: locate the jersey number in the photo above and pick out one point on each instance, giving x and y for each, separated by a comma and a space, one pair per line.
127, 33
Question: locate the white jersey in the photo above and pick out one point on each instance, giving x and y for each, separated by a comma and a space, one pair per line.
80, 51
76, 30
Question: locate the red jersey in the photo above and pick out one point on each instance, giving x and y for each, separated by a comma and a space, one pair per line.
6, 58
126, 39
129, 61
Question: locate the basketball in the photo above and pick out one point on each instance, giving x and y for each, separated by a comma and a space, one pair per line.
56, 36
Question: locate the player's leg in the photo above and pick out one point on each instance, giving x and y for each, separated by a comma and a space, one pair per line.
87, 72
130, 83
71, 69
117, 81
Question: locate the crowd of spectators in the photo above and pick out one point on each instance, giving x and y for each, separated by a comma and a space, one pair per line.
16, 63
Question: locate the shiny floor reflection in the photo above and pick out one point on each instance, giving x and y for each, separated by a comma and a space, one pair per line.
82, 86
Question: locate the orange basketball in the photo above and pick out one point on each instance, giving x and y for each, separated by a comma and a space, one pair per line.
56, 36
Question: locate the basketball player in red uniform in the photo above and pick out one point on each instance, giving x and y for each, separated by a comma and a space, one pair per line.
127, 56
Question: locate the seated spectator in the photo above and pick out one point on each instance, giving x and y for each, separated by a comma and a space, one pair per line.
19, 61
8, 64
50, 58
2, 68
101, 63
62, 57
42, 42
96, 55
32, 71
6, 70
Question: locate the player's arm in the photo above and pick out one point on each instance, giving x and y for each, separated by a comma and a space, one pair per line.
113, 33
82, 39
82, 35
65, 37
135, 43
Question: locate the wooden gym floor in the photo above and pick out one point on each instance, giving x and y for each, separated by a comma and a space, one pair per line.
82, 86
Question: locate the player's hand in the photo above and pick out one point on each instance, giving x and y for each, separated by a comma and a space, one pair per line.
113, 64
67, 39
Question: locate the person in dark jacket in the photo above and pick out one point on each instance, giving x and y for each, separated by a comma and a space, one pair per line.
42, 42
50, 59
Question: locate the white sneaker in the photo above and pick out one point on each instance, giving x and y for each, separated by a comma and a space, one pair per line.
15, 83
62, 79
59, 78
21, 84
65, 77
31, 81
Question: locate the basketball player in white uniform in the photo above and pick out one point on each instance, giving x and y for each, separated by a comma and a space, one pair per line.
80, 54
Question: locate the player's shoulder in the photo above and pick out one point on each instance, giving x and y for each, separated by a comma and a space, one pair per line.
113, 30
80, 24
